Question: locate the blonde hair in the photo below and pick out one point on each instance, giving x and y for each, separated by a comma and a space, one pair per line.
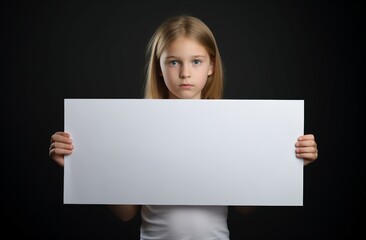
167, 32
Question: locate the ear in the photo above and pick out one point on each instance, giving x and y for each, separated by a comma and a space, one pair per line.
210, 69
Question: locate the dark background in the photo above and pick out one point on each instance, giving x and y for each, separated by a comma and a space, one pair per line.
51, 50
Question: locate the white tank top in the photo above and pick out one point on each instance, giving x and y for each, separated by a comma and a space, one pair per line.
184, 223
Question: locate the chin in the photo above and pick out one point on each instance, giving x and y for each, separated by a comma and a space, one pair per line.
184, 95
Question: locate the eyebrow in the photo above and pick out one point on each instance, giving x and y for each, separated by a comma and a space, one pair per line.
195, 56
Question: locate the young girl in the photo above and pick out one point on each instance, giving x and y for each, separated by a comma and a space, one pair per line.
183, 62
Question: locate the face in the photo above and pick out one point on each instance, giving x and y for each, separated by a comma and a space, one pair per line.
185, 65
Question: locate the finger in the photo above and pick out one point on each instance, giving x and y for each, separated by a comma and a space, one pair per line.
56, 145
66, 134
307, 156
306, 143
62, 145
59, 151
306, 150
59, 133
306, 137
57, 137
63, 134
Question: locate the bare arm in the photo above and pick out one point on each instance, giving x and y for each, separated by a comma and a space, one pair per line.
125, 212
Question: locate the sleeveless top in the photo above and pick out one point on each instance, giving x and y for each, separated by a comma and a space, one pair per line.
184, 222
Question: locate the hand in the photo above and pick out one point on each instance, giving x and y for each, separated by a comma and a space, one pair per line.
306, 148
61, 144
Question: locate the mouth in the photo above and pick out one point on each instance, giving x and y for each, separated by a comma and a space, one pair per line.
185, 85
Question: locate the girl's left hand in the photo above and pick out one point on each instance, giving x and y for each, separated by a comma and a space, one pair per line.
306, 148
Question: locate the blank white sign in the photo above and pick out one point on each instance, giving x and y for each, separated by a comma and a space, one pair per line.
184, 152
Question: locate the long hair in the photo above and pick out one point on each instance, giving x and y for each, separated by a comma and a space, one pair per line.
167, 32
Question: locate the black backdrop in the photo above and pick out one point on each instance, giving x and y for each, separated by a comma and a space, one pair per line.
52, 50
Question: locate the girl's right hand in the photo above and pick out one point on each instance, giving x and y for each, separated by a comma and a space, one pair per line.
61, 145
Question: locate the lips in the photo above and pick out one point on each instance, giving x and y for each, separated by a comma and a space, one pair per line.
185, 85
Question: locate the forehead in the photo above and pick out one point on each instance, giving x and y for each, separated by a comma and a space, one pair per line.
185, 46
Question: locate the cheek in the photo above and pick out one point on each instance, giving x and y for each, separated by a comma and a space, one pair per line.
169, 78
170, 74
166, 75
202, 79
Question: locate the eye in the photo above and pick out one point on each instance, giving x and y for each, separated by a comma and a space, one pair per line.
196, 62
173, 62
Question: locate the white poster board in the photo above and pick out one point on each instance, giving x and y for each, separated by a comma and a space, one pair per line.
184, 152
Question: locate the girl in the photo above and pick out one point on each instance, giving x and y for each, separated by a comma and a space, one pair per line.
183, 62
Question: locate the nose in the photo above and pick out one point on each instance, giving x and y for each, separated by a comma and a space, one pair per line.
184, 72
